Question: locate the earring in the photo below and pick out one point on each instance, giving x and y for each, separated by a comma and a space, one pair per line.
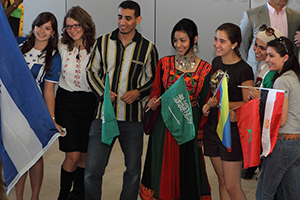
232, 47
195, 48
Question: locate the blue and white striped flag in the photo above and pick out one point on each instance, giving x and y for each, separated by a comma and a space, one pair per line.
26, 128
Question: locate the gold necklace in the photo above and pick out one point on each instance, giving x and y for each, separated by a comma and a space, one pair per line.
186, 62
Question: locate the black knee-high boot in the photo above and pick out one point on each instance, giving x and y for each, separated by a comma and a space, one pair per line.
66, 180
78, 186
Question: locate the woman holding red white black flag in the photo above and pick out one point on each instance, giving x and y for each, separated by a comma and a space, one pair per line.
227, 163
280, 169
264, 75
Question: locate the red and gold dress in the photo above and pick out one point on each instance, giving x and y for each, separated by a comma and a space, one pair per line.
173, 171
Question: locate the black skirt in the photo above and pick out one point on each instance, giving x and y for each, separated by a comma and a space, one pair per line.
75, 112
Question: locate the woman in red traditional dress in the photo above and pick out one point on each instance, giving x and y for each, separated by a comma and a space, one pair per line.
174, 171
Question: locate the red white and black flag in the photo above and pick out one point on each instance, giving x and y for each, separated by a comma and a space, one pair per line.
271, 103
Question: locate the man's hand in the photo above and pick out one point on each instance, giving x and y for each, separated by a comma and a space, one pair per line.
112, 96
130, 96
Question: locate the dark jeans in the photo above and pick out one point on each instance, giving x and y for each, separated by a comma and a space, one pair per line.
280, 172
131, 141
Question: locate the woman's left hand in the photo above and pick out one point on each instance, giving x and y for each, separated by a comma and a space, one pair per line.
59, 128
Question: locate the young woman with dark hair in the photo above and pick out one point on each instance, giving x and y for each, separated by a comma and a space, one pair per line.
283, 164
174, 171
227, 165
40, 52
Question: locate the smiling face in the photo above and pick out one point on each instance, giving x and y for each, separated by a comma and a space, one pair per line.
222, 44
260, 50
274, 60
75, 33
44, 32
127, 21
181, 42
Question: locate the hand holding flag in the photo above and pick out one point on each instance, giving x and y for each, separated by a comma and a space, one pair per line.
109, 123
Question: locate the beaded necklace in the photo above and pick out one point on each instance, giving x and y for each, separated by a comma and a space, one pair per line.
186, 62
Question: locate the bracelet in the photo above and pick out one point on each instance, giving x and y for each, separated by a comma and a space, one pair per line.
53, 118
14, 5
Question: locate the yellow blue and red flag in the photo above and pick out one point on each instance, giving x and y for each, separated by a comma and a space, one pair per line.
223, 128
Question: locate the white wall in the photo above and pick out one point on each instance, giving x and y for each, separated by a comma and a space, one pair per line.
105, 12
158, 17
34, 7
207, 14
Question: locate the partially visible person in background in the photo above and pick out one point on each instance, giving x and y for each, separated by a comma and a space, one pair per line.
40, 51
14, 11
75, 101
274, 13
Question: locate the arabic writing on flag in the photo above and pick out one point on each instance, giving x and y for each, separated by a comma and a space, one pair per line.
177, 113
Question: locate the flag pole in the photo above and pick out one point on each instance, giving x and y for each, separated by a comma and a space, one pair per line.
219, 83
259, 88
154, 102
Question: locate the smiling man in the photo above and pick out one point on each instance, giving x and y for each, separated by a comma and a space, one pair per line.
274, 13
130, 61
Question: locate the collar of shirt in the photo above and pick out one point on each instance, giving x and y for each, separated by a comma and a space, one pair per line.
137, 37
273, 11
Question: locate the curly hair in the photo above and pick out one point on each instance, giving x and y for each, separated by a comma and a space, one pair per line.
47, 53
87, 24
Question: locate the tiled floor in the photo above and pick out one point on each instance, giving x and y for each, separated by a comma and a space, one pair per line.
113, 177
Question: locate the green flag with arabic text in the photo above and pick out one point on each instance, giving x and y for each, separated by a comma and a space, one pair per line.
177, 113
109, 123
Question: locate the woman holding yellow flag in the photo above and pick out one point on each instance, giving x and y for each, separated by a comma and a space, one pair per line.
227, 161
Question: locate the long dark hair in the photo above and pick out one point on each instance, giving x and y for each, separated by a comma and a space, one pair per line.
284, 46
187, 26
87, 24
234, 35
47, 53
